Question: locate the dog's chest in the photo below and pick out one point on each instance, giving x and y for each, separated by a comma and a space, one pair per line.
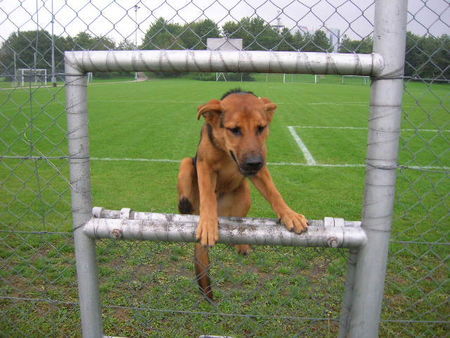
228, 179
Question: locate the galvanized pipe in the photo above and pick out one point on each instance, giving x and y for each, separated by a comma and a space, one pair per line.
226, 61
344, 322
130, 225
382, 154
80, 181
79, 63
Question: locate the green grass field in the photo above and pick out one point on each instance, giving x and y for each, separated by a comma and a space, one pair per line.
148, 288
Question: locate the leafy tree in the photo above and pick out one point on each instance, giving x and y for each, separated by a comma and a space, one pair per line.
317, 42
298, 41
287, 41
427, 57
31, 49
195, 34
441, 57
255, 33
126, 45
356, 46
163, 35
84, 41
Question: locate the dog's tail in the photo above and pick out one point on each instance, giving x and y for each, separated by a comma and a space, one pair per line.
201, 259
188, 204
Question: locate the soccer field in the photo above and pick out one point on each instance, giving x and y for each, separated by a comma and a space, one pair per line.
139, 131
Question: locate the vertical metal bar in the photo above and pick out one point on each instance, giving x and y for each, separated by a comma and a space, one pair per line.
384, 133
344, 322
77, 126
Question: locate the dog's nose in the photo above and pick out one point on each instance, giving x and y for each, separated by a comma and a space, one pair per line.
253, 163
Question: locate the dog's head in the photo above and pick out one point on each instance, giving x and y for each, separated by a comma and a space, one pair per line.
239, 125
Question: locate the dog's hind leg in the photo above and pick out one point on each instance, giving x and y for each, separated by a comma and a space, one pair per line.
187, 187
189, 204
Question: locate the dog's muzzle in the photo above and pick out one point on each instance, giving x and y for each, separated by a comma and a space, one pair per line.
251, 165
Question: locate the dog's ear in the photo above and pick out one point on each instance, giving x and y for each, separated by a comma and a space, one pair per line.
269, 108
209, 110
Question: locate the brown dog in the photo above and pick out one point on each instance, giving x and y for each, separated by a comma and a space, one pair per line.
232, 147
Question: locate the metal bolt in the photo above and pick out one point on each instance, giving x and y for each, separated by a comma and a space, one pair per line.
332, 242
117, 233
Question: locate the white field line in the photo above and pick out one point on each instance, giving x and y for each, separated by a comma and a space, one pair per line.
165, 160
147, 101
338, 103
365, 128
319, 165
308, 156
363, 104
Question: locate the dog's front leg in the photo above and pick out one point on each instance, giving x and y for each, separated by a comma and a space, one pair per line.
292, 220
207, 230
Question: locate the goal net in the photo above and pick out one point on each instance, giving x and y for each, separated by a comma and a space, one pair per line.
30, 75
355, 79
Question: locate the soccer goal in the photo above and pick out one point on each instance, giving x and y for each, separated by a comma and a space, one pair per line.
355, 79
31, 75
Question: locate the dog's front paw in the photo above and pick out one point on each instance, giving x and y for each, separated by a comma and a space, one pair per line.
294, 222
207, 231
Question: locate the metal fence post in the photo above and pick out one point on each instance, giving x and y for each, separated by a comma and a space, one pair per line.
80, 180
382, 153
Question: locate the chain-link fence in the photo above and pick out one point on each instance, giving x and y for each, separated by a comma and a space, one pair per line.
149, 288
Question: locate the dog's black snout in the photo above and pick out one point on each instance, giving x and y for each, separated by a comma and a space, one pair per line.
253, 163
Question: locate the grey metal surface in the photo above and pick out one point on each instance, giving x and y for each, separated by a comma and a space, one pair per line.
345, 315
382, 155
130, 225
226, 61
80, 181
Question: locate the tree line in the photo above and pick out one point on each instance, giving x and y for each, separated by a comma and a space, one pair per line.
427, 56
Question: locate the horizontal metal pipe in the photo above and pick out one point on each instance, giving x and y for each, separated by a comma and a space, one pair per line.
225, 61
130, 225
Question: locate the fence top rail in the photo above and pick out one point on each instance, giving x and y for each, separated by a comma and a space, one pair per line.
80, 62
132, 225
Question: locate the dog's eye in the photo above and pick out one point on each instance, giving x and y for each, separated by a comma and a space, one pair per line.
236, 131
260, 129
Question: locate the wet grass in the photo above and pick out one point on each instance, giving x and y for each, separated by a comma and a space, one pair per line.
149, 288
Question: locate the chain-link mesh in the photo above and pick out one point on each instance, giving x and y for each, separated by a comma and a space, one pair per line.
418, 263
149, 288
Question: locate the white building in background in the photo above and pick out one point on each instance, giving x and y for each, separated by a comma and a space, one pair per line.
223, 44
334, 35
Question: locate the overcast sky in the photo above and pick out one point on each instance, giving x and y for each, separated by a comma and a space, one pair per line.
117, 19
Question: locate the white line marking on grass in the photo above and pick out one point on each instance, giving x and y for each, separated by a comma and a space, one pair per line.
147, 101
365, 128
319, 165
308, 156
338, 103
163, 160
